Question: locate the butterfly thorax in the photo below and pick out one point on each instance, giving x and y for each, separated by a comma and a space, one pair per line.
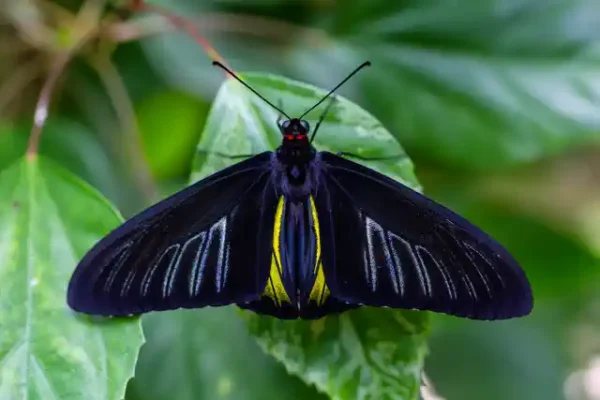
294, 159
293, 175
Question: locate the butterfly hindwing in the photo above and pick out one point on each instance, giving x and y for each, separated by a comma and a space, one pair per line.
202, 246
384, 244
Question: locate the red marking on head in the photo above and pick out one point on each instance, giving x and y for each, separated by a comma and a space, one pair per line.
289, 137
300, 137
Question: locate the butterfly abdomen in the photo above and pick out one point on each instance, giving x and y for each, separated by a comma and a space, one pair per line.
297, 286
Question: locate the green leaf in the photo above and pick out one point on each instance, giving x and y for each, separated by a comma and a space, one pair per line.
367, 353
48, 220
208, 354
485, 85
362, 354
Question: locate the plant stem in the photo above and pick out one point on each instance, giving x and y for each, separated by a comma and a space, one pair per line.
255, 25
41, 109
180, 23
86, 29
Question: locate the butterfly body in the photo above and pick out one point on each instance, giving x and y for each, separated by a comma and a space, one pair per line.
295, 287
298, 233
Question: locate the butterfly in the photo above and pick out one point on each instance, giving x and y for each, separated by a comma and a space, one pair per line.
298, 233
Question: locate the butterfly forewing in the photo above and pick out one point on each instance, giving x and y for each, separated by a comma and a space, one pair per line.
203, 246
384, 244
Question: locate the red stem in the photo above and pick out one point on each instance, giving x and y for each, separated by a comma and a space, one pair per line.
180, 23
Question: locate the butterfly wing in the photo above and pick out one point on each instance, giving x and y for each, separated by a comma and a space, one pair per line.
203, 246
384, 244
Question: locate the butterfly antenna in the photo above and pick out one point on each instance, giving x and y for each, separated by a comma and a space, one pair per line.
230, 72
361, 66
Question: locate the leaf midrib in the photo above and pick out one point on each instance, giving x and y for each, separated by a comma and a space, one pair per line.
30, 175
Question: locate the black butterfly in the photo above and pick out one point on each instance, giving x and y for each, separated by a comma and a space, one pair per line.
298, 233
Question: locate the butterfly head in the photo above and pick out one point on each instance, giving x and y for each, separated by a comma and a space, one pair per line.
294, 130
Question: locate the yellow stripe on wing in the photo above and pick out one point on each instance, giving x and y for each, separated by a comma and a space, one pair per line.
275, 289
319, 291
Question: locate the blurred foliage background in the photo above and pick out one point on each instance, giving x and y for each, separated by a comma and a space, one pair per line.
496, 101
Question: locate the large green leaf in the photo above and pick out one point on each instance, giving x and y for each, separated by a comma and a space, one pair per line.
363, 354
208, 354
48, 220
367, 353
481, 85
486, 85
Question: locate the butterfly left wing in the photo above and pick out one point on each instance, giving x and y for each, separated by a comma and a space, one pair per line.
208, 245
384, 244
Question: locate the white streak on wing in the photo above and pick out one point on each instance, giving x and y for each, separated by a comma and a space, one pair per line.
171, 272
222, 258
401, 282
415, 264
427, 288
470, 287
372, 264
374, 227
125, 251
193, 274
366, 265
128, 281
225, 270
199, 268
448, 279
147, 279
388, 259
469, 246
443, 271
481, 275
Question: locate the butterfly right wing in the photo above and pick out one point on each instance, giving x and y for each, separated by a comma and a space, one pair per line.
208, 245
384, 244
